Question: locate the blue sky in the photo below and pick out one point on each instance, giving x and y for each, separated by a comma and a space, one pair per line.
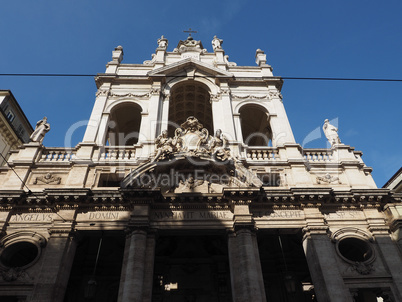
343, 38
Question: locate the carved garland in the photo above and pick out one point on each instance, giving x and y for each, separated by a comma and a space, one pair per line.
250, 96
327, 179
48, 179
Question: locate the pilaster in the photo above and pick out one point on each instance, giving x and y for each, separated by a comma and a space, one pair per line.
22, 162
57, 260
154, 112
281, 130
94, 122
394, 217
219, 58
222, 113
292, 153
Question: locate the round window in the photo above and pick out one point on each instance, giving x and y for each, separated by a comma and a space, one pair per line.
355, 249
19, 254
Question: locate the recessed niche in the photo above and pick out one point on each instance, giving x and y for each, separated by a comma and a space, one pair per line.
355, 249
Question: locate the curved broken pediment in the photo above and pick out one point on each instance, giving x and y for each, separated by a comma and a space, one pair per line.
191, 162
191, 139
191, 174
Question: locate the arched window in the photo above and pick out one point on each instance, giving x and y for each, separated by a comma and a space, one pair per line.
189, 99
255, 126
124, 125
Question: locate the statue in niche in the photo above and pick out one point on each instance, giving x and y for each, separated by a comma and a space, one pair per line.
164, 145
42, 127
331, 132
218, 146
162, 42
217, 43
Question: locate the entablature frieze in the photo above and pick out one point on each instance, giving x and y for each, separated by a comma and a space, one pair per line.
306, 197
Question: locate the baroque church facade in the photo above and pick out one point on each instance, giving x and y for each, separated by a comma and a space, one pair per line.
189, 186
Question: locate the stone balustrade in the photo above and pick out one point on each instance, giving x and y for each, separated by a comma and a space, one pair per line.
128, 153
57, 154
262, 154
318, 155
117, 153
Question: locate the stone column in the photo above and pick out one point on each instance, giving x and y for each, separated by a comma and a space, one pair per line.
387, 247
149, 267
320, 255
138, 263
245, 267
56, 266
244, 258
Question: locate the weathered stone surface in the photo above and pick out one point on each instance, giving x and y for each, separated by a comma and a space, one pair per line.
187, 145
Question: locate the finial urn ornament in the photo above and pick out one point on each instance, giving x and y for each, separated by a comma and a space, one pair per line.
162, 42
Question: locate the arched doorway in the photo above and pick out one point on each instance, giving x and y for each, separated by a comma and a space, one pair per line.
124, 125
189, 99
255, 126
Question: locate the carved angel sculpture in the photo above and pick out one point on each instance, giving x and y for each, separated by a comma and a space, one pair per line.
164, 145
218, 146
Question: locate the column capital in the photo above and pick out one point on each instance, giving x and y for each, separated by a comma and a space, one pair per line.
145, 230
315, 230
239, 228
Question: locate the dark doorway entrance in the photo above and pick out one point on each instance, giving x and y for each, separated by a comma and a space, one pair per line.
191, 268
284, 267
95, 274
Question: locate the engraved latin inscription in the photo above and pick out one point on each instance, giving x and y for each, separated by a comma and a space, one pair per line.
283, 214
191, 215
103, 215
42, 217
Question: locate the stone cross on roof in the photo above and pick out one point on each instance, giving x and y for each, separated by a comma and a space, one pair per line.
189, 31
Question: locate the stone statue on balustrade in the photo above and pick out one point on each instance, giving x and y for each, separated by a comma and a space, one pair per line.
42, 127
217, 43
331, 132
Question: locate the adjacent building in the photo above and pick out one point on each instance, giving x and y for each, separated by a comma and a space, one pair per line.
395, 182
189, 186
15, 128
